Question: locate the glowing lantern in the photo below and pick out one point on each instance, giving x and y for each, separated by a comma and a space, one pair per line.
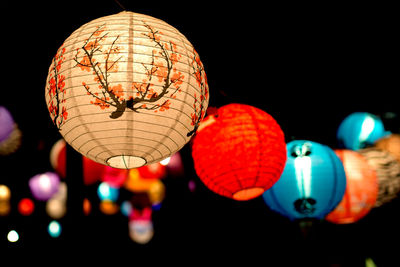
312, 183
126, 90
391, 144
26, 206
92, 171
56, 206
54, 229
10, 135
44, 185
87, 206
5, 195
359, 130
141, 228
108, 207
239, 152
361, 189
387, 171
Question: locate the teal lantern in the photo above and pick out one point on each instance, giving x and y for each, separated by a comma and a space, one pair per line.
360, 130
312, 183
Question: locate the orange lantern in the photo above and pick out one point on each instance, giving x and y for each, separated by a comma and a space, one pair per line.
361, 189
391, 144
387, 171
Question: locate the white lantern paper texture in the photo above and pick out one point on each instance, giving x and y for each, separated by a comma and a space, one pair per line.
126, 90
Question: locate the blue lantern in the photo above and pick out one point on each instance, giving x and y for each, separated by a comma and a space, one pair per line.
312, 183
359, 130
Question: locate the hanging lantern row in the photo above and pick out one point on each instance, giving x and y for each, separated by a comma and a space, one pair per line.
129, 90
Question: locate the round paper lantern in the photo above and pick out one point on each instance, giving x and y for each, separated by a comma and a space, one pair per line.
391, 144
10, 135
126, 90
359, 130
44, 186
388, 173
312, 183
361, 189
239, 152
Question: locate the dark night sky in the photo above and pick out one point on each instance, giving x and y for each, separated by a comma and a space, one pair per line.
308, 66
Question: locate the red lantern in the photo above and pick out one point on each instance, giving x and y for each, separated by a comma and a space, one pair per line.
361, 189
92, 171
239, 152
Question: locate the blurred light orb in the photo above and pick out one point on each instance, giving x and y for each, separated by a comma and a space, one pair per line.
359, 130
361, 189
141, 231
87, 206
312, 183
106, 192
239, 152
12, 236
26, 206
44, 186
126, 208
5, 192
165, 162
108, 207
6, 122
54, 229
5, 208
56, 208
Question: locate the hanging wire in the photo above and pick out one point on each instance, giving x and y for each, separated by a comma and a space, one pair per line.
120, 5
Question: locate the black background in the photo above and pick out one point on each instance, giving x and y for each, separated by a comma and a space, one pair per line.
308, 66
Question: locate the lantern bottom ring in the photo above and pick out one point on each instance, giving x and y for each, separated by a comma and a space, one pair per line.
126, 162
248, 193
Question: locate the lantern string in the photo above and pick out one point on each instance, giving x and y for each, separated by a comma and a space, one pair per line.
120, 5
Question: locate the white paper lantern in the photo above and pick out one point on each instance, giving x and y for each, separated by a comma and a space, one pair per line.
126, 90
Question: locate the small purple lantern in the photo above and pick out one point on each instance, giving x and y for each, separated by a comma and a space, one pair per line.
44, 186
6, 122
10, 135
